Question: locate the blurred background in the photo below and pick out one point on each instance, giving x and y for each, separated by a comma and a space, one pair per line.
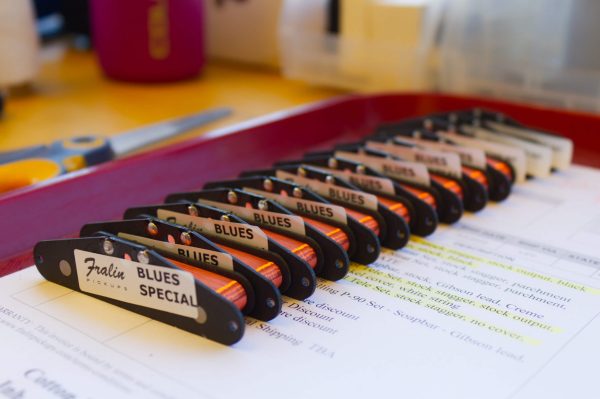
69, 67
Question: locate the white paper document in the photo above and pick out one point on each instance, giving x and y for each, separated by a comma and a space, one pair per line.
504, 304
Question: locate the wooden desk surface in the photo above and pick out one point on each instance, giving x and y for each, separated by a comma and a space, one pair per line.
71, 97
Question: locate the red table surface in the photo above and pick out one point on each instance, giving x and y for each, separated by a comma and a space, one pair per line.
59, 208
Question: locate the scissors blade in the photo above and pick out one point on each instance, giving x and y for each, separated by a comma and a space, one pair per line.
133, 140
17, 155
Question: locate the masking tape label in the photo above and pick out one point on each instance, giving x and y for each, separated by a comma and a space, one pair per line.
244, 234
408, 172
306, 207
436, 161
155, 287
205, 256
332, 192
372, 183
291, 223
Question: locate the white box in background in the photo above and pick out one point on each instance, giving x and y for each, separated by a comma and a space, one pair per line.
536, 51
243, 31
382, 44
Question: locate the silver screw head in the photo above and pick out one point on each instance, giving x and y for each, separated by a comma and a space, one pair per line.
107, 247
143, 257
268, 184
232, 197
233, 326
152, 229
428, 124
361, 169
202, 316
192, 210
297, 192
332, 163
186, 238
65, 268
225, 218
329, 179
263, 205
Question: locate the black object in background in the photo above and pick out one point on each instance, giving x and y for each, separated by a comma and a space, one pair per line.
333, 17
43, 8
56, 17
77, 16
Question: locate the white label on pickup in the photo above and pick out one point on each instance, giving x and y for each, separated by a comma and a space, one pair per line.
539, 157
513, 155
291, 223
562, 147
371, 183
447, 164
469, 156
332, 192
245, 234
205, 256
154, 287
408, 172
305, 207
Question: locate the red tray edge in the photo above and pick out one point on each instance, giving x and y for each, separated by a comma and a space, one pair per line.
26, 223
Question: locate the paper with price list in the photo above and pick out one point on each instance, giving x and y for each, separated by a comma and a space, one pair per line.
503, 304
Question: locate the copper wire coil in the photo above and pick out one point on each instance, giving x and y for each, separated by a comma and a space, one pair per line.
397, 207
230, 289
477, 175
501, 167
335, 233
267, 268
422, 195
299, 248
369, 221
449, 184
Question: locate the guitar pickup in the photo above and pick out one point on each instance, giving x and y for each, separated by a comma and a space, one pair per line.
358, 239
244, 241
412, 177
171, 239
470, 185
432, 133
172, 289
420, 215
325, 256
390, 227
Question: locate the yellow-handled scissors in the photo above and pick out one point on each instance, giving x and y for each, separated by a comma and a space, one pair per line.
34, 164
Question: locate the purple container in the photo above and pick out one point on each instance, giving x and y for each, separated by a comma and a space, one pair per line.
149, 40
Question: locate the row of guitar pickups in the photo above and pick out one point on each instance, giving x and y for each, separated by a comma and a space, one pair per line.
204, 259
